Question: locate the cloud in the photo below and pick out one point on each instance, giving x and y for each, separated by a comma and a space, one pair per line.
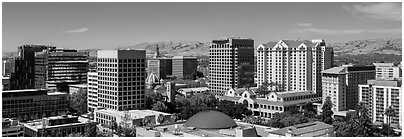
348, 31
77, 30
305, 24
380, 11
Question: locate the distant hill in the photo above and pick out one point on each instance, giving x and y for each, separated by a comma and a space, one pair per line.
175, 48
358, 50
370, 46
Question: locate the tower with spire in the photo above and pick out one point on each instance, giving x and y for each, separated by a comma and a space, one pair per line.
157, 54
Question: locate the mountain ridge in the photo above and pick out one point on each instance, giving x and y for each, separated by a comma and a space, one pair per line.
198, 48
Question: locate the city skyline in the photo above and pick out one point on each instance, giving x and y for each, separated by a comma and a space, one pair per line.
113, 25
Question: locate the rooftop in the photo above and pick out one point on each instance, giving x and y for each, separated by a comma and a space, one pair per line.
335, 70
287, 94
383, 64
303, 128
135, 114
78, 85
39, 124
194, 89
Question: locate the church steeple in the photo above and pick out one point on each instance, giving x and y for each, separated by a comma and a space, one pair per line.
157, 52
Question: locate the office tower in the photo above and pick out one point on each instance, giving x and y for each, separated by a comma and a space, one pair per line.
379, 95
8, 67
24, 70
61, 67
341, 84
121, 79
92, 91
293, 65
183, 66
231, 64
32, 104
161, 67
387, 71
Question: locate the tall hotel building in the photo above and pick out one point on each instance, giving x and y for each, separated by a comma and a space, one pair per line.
231, 64
380, 95
341, 84
121, 79
293, 65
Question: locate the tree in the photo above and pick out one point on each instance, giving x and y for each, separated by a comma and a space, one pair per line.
159, 106
126, 128
389, 113
78, 102
90, 130
174, 117
160, 119
326, 114
262, 89
361, 124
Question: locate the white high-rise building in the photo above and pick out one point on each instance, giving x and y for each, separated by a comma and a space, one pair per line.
92, 91
121, 79
293, 65
379, 95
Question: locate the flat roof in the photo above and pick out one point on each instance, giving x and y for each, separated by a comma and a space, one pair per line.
78, 85
189, 132
135, 114
194, 89
294, 93
37, 124
303, 128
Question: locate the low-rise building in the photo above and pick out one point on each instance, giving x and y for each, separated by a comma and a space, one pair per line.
32, 104
11, 128
64, 125
311, 129
74, 88
188, 92
205, 124
137, 117
274, 102
379, 95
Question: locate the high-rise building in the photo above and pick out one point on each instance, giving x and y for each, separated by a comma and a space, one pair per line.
231, 64
184, 66
387, 71
121, 79
8, 67
161, 67
293, 65
60, 66
32, 104
92, 91
24, 67
379, 95
341, 84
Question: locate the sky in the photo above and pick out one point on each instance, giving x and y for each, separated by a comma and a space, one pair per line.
113, 25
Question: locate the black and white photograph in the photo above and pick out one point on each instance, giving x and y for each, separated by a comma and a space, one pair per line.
201, 69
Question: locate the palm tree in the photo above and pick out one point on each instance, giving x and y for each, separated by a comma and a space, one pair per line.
390, 113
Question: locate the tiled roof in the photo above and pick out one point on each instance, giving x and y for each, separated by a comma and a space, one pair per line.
269, 44
294, 93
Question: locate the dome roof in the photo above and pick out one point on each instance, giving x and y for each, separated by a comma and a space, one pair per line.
210, 120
